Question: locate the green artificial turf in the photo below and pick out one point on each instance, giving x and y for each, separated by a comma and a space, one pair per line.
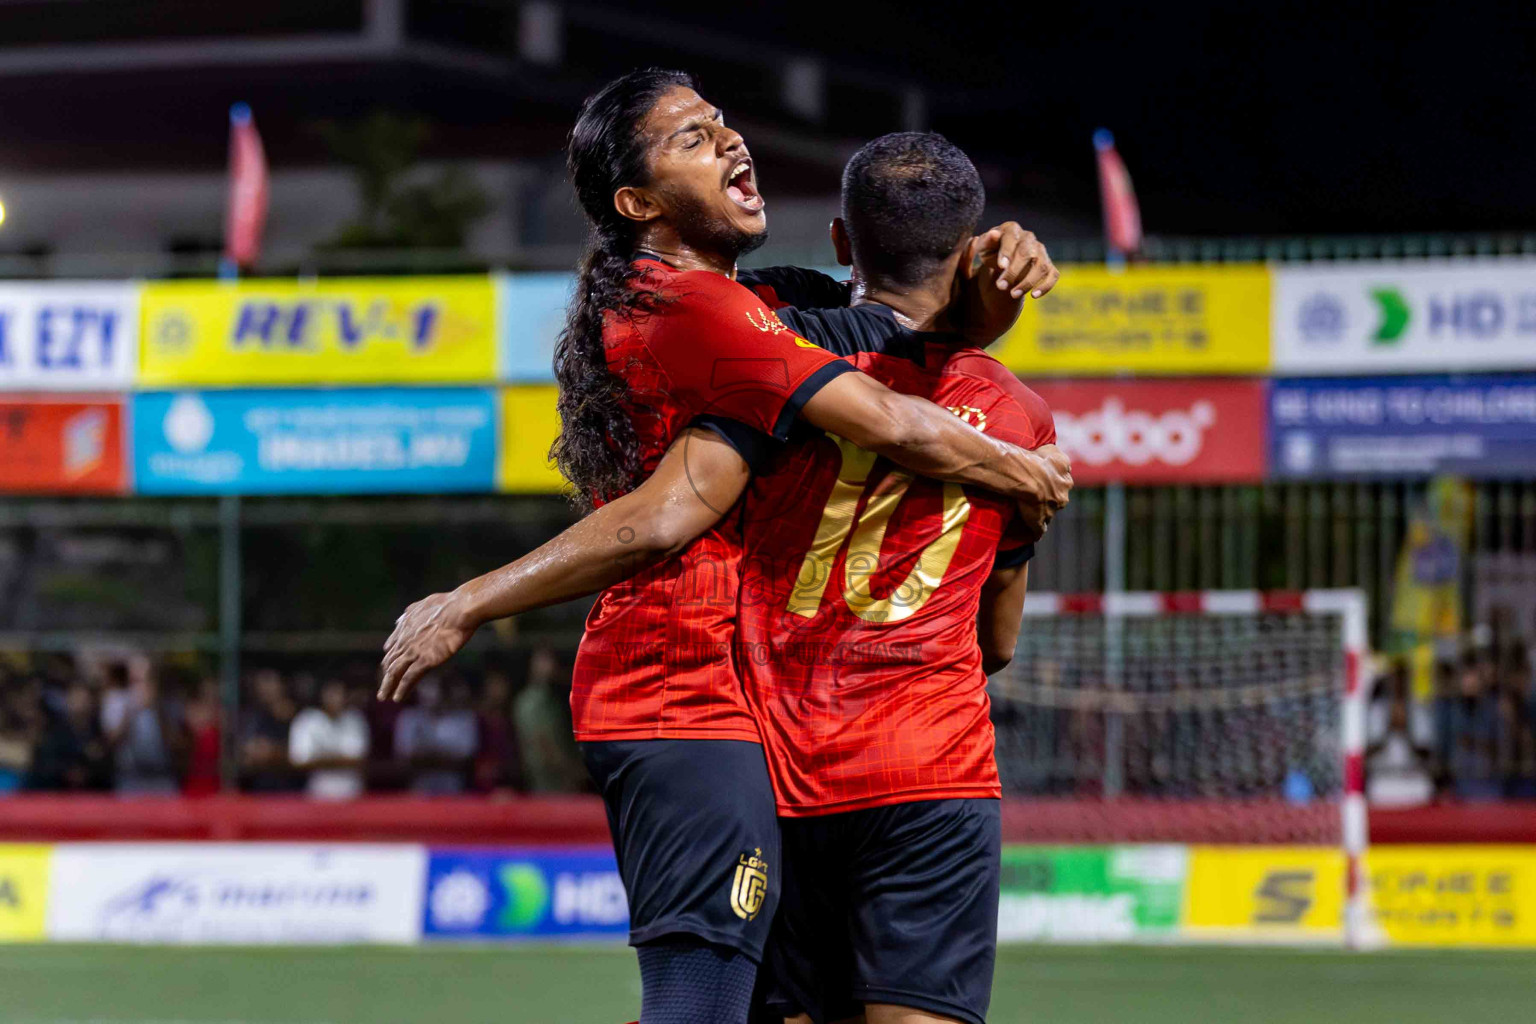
526, 984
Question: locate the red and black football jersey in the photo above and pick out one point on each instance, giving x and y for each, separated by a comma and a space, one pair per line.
656, 659
861, 585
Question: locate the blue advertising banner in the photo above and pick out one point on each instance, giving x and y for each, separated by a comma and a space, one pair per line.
531, 311
478, 893
1482, 426
371, 440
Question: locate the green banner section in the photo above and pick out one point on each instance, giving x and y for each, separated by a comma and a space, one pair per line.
1091, 893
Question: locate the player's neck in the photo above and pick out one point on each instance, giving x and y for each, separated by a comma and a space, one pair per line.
921, 307
679, 255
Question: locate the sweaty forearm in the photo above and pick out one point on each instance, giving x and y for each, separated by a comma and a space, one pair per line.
933, 442
607, 547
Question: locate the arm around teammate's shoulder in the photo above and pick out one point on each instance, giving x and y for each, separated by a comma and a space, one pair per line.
927, 439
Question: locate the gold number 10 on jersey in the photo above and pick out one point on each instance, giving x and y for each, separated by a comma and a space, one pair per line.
863, 561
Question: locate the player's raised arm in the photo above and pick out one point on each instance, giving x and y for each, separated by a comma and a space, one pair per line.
699, 478
920, 436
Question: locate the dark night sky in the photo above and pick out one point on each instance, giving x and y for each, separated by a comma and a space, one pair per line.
1233, 117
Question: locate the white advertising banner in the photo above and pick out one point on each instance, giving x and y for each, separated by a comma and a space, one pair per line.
248, 893
68, 335
1405, 317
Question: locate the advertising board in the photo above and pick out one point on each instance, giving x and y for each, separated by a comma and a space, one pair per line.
1152, 320
478, 893
68, 335
54, 445
1090, 893
1332, 427
425, 330
255, 893
300, 441
1160, 431
23, 891
1405, 317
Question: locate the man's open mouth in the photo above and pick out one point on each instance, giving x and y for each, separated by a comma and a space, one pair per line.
741, 186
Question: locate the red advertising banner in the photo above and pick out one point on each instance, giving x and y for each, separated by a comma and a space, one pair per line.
49, 447
1160, 431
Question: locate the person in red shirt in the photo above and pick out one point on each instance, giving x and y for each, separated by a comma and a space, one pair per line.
873, 605
662, 347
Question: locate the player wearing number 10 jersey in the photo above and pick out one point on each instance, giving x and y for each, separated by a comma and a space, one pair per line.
858, 630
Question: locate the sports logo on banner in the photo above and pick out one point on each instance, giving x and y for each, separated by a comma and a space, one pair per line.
1405, 317
231, 892
344, 441
50, 446
343, 331
72, 336
1404, 426
510, 893
1156, 320
1160, 431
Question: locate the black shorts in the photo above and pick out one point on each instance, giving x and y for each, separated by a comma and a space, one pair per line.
698, 844
894, 904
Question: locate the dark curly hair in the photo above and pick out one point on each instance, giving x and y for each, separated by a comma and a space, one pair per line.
597, 450
908, 199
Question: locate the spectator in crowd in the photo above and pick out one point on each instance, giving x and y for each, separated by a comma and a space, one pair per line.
330, 742
498, 766
204, 724
264, 725
1397, 765
143, 731
543, 713
438, 737
72, 754
20, 712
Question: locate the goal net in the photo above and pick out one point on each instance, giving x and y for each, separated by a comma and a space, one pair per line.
1218, 717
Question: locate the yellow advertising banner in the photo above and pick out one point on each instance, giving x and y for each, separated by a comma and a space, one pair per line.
1159, 320
529, 425
339, 331
1279, 893
1454, 895
23, 891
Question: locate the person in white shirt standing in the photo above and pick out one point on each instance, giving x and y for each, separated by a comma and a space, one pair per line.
331, 741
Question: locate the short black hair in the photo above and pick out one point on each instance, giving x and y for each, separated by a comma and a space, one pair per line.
908, 200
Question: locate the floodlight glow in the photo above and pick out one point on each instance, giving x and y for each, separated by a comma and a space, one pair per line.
2, 212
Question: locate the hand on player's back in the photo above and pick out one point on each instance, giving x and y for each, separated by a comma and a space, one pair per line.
429, 633
1036, 511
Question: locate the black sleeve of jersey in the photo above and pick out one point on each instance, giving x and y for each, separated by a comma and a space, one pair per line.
796, 286
1016, 557
845, 332
752, 445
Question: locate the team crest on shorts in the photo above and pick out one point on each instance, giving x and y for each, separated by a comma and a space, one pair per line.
750, 887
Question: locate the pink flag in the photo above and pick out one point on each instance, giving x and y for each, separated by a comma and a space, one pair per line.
247, 214
1122, 217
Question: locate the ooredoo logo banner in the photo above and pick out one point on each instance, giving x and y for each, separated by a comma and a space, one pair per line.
1160, 431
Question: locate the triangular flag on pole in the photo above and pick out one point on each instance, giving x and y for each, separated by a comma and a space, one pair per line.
246, 216
1122, 217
